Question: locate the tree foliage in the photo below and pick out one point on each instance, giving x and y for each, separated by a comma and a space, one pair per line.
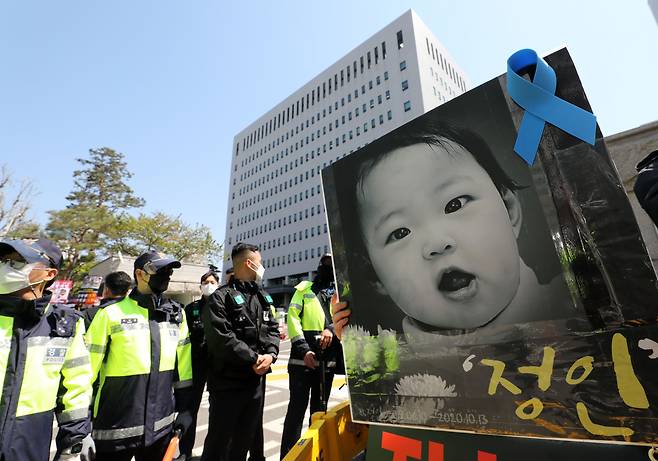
14, 207
97, 220
169, 234
99, 200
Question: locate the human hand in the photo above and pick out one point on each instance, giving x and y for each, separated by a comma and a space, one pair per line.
85, 450
325, 338
183, 421
263, 364
309, 360
341, 315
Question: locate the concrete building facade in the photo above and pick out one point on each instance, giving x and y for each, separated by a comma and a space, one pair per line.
275, 198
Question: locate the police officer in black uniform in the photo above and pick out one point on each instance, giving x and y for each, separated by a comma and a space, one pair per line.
646, 185
209, 284
243, 341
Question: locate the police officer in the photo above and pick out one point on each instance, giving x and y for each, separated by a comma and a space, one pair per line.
311, 334
115, 287
646, 185
243, 342
142, 349
209, 284
43, 359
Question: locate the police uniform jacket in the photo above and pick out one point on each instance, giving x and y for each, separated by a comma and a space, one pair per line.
141, 347
308, 316
239, 322
45, 369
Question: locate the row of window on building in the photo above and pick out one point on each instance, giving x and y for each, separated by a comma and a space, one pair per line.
344, 119
293, 237
312, 253
289, 135
348, 135
445, 64
322, 91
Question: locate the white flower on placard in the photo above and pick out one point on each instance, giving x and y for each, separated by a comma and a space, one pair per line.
424, 385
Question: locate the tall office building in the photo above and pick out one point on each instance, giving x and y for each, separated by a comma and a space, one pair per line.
275, 198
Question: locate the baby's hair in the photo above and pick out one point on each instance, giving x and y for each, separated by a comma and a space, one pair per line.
435, 133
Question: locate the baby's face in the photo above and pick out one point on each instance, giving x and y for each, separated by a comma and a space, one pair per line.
439, 236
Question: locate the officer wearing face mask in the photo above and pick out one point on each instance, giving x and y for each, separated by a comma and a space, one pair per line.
209, 283
43, 359
141, 347
243, 341
311, 334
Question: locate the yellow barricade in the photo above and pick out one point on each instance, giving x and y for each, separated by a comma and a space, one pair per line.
332, 437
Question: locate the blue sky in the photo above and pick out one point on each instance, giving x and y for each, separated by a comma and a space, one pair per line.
169, 83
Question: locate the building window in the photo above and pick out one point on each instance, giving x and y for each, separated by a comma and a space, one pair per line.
388, 94
379, 99
389, 115
405, 85
403, 65
386, 75
381, 119
400, 40
378, 80
383, 50
407, 106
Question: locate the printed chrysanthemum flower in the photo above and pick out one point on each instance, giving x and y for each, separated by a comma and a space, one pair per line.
424, 385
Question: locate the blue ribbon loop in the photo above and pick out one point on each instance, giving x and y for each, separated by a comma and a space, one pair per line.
541, 105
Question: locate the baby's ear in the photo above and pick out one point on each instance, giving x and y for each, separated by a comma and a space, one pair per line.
513, 205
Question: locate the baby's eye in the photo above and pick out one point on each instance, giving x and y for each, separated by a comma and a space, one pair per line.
456, 204
398, 234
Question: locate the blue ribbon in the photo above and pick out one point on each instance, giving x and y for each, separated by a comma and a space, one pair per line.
541, 105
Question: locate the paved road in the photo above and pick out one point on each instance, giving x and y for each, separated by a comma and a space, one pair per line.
276, 402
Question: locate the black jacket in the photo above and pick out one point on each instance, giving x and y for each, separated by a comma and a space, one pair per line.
239, 323
646, 185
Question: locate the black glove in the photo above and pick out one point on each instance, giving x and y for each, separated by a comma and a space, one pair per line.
183, 421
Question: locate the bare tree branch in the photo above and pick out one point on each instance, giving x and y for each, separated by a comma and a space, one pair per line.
14, 214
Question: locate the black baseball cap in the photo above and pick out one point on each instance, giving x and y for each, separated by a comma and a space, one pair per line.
34, 251
646, 161
152, 261
325, 256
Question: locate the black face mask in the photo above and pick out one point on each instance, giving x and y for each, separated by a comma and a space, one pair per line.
326, 273
159, 282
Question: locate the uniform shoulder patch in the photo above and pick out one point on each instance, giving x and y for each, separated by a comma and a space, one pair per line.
238, 298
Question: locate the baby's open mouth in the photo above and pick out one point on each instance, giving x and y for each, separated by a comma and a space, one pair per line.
457, 285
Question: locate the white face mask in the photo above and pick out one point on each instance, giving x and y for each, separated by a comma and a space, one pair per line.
208, 289
12, 279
